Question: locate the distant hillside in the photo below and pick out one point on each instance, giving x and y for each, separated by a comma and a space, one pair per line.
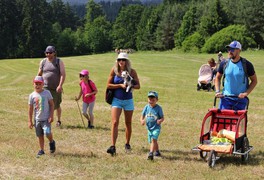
79, 2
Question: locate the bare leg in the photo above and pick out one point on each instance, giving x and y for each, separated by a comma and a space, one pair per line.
50, 137
128, 120
116, 112
155, 145
41, 142
59, 113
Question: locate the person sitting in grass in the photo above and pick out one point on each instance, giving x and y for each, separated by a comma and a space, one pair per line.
152, 116
88, 91
41, 102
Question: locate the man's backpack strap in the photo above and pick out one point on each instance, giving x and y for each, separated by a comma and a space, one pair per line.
224, 67
244, 64
58, 64
43, 63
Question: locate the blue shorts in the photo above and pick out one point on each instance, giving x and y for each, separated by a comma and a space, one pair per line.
42, 128
153, 134
127, 105
233, 103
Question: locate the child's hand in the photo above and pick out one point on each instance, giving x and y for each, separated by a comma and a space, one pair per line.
30, 125
50, 119
88, 94
159, 121
142, 122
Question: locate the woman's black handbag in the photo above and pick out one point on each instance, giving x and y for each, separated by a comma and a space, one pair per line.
109, 95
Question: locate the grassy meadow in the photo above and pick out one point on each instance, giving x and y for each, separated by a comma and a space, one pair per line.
81, 153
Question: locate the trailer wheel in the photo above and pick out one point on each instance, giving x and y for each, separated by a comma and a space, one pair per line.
212, 158
244, 148
203, 154
198, 87
209, 87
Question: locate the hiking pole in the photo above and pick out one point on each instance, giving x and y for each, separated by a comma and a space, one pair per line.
80, 112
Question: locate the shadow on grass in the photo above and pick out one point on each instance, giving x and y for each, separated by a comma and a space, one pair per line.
173, 155
76, 155
255, 159
82, 127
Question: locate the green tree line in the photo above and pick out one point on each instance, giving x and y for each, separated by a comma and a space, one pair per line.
28, 26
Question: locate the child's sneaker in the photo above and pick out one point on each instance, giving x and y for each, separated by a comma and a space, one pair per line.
127, 147
150, 156
111, 150
41, 152
91, 127
52, 146
157, 153
89, 124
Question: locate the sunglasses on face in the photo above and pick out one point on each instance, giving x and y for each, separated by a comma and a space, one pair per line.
121, 60
231, 50
49, 52
82, 75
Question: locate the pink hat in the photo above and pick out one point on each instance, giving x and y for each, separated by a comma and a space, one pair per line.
84, 72
38, 79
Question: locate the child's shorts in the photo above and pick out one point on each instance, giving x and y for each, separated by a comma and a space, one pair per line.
127, 105
42, 128
153, 134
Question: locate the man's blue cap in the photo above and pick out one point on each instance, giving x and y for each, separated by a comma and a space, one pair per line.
235, 45
153, 93
50, 49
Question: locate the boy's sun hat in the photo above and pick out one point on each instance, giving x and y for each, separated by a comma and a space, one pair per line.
84, 72
38, 79
50, 49
122, 56
235, 45
153, 93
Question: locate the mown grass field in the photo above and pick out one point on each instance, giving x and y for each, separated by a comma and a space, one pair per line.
81, 153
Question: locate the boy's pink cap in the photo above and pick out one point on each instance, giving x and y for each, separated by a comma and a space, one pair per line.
38, 79
84, 72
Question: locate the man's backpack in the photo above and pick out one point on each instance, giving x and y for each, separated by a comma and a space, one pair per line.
244, 64
57, 64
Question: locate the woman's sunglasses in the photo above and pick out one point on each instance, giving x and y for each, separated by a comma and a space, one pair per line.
121, 60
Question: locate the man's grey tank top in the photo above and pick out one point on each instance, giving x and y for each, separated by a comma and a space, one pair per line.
51, 73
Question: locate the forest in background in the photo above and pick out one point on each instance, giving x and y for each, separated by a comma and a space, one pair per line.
197, 26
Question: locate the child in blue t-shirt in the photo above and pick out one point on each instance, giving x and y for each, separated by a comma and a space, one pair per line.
152, 116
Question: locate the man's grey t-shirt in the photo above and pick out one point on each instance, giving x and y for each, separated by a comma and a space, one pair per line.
51, 73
